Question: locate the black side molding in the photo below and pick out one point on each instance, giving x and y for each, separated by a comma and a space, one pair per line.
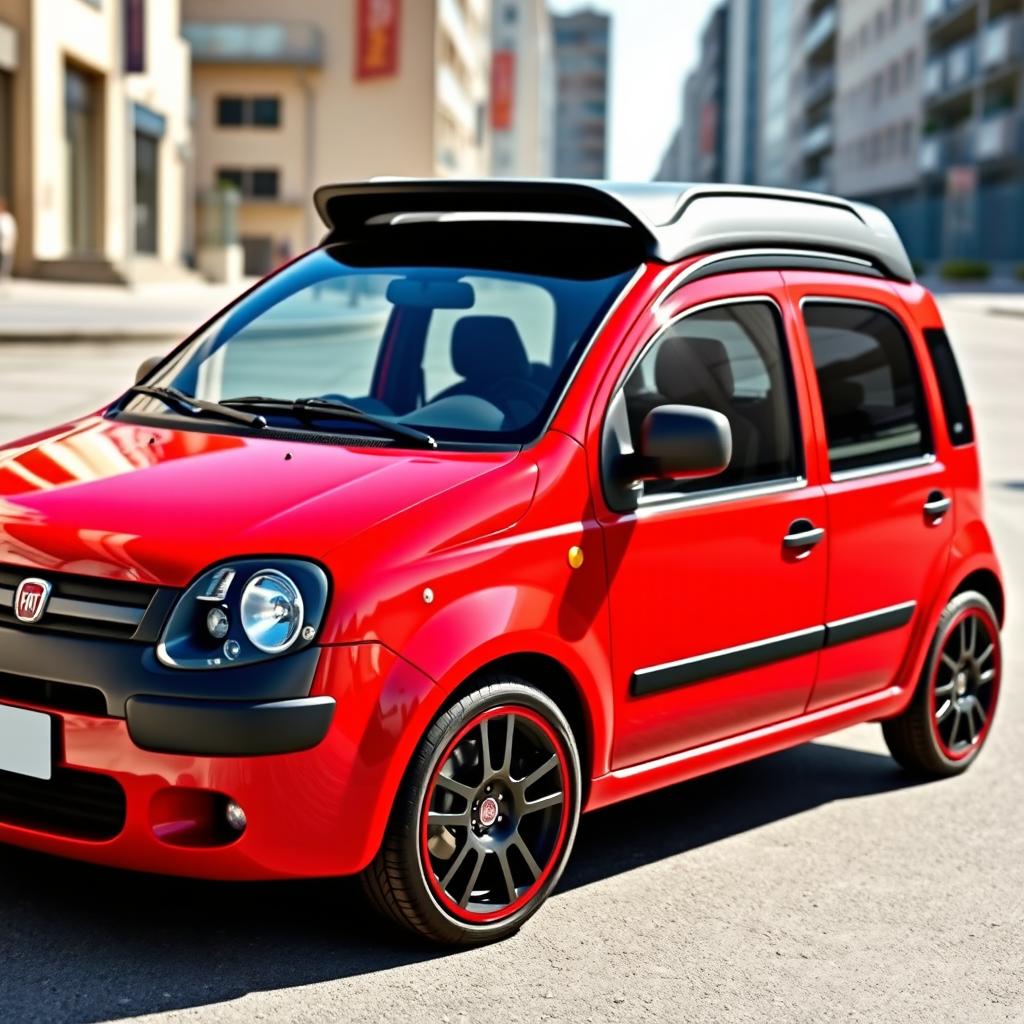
763, 652
208, 728
858, 626
723, 663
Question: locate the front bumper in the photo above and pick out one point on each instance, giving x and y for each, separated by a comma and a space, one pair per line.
314, 771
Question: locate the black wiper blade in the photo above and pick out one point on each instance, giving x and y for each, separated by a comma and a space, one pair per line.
175, 399
311, 408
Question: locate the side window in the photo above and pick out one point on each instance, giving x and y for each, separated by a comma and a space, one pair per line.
732, 359
869, 384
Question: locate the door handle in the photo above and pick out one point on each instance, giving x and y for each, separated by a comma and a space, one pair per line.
803, 533
937, 504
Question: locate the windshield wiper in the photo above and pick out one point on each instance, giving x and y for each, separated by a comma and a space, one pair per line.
326, 408
175, 399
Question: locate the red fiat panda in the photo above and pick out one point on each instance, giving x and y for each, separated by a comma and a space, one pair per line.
508, 501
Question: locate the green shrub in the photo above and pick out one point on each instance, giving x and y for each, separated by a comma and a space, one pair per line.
1020, 272
966, 270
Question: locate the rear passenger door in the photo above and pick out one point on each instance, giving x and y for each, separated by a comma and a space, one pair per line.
888, 495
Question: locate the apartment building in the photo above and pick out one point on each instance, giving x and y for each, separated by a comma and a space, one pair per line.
522, 107
95, 137
287, 99
972, 154
582, 43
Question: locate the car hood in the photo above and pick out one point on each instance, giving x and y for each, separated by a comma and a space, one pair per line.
154, 505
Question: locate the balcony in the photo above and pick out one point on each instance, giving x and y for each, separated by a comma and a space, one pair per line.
952, 72
1000, 137
819, 86
936, 9
816, 139
256, 42
1002, 43
943, 150
820, 31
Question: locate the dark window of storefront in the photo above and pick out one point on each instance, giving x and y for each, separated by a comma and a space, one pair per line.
82, 160
149, 130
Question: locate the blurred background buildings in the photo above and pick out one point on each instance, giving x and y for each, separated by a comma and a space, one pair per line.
134, 134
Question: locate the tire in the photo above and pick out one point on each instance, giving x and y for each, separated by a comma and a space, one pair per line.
949, 718
467, 858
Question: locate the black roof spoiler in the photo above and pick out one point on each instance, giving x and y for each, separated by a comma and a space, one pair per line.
673, 221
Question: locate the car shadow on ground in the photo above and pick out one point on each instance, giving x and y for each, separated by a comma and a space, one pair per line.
81, 943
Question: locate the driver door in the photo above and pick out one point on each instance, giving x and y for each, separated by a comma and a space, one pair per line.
717, 586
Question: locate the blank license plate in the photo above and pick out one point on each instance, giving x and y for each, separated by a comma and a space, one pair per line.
26, 743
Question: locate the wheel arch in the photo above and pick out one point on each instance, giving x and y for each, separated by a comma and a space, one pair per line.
988, 584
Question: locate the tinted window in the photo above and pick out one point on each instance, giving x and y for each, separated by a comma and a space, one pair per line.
869, 384
230, 110
264, 184
731, 359
266, 111
951, 387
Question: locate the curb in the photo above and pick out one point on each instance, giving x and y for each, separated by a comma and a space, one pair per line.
1011, 311
112, 335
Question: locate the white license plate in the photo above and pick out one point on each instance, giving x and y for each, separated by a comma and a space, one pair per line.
26, 743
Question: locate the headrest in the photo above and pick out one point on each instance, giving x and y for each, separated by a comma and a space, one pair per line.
694, 371
488, 347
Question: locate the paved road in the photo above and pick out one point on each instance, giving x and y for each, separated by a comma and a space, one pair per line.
815, 885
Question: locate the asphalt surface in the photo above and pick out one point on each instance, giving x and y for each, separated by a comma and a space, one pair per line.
814, 885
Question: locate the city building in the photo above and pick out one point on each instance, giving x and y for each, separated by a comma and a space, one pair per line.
582, 42
814, 57
522, 110
972, 153
743, 59
776, 87
346, 89
95, 138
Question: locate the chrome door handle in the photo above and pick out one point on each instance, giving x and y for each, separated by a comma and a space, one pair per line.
803, 534
937, 504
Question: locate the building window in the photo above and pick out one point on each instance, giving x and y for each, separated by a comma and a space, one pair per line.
252, 184
248, 111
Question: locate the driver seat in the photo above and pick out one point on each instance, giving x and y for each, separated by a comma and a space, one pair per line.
489, 354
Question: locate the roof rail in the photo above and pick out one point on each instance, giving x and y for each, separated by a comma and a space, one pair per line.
674, 221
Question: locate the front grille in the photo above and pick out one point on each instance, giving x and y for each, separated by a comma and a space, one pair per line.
80, 805
70, 697
87, 606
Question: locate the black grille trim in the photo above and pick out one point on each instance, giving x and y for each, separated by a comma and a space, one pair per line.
43, 693
81, 805
84, 605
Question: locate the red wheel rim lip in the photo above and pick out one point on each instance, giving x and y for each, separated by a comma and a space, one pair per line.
444, 900
973, 747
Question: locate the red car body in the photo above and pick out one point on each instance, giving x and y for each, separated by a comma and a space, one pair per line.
487, 534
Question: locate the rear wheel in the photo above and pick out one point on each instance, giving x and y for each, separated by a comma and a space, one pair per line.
950, 716
485, 819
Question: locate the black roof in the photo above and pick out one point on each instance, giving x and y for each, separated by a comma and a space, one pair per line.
675, 221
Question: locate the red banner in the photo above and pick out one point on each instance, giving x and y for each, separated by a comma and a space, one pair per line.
503, 88
377, 25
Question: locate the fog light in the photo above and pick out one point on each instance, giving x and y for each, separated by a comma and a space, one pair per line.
217, 623
235, 816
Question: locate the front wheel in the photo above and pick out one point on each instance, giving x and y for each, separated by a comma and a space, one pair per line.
950, 716
485, 819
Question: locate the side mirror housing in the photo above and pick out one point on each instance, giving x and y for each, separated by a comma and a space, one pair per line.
146, 367
683, 442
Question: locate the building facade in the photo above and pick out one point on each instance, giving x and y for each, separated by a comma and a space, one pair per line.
346, 89
522, 107
582, 42
95, 143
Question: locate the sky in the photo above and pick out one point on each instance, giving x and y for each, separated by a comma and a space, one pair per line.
654, 45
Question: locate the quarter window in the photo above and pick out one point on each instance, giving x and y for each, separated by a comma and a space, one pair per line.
869, 385
732, 359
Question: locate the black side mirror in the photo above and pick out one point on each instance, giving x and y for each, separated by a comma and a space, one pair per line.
146, 367
683, 442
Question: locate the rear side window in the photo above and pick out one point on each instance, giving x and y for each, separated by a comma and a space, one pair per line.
951, 387
869, 384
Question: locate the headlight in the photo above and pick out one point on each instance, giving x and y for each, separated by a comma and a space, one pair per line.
271, 611
243, 611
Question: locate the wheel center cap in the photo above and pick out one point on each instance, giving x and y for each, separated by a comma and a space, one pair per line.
488, 812
961, 683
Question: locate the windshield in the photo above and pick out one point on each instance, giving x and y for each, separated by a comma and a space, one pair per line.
466, 354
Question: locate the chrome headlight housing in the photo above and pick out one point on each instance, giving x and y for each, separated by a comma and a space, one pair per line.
243, 611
